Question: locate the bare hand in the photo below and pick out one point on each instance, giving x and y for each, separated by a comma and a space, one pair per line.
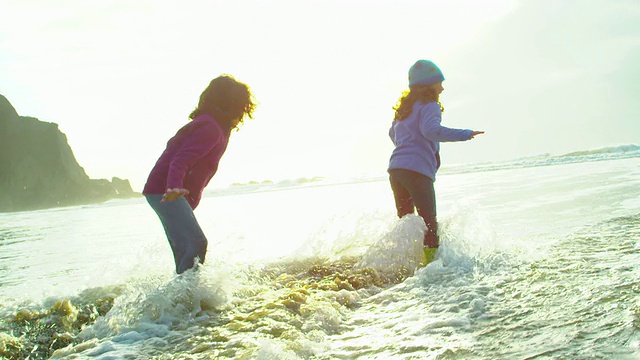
174, 194
474, 133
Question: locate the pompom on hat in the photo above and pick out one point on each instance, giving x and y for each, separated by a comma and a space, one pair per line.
424, 72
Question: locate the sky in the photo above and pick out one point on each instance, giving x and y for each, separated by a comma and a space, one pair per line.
120, 77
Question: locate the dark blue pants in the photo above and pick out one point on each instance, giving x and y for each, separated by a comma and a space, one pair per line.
414, 190
183, 232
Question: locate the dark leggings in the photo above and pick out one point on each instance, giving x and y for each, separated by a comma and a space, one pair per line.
412, 189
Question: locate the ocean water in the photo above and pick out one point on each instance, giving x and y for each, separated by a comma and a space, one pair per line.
539, 260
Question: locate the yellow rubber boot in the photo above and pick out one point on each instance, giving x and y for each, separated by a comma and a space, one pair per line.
429, 255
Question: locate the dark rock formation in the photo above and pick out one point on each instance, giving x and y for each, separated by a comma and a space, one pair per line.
38, 169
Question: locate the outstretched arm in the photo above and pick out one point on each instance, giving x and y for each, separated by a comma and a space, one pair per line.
432, 130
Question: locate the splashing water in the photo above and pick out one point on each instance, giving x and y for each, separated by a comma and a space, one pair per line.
516, 276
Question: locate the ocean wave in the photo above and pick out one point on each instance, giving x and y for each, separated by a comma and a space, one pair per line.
285, 309
289, 301
608, 150
266, 185
602, 154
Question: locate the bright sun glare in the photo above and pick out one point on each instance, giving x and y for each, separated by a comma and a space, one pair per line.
121, 77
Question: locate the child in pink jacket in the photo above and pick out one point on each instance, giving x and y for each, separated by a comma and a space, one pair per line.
186, 166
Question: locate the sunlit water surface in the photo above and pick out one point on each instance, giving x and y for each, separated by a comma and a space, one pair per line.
535, 263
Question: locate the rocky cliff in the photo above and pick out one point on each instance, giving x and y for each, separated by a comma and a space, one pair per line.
38, 169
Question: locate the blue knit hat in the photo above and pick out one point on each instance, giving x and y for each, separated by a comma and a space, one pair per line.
424, 72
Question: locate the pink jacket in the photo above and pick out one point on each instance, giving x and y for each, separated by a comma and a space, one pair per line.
190, 159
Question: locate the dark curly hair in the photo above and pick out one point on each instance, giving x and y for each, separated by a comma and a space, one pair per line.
424, 93
227, 100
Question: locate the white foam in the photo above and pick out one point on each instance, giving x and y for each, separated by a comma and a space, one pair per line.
129, 337
397, 250
105, 347
272, 350
151, 306
344, 234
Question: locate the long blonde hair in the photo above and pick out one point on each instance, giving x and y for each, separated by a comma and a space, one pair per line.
424, 93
